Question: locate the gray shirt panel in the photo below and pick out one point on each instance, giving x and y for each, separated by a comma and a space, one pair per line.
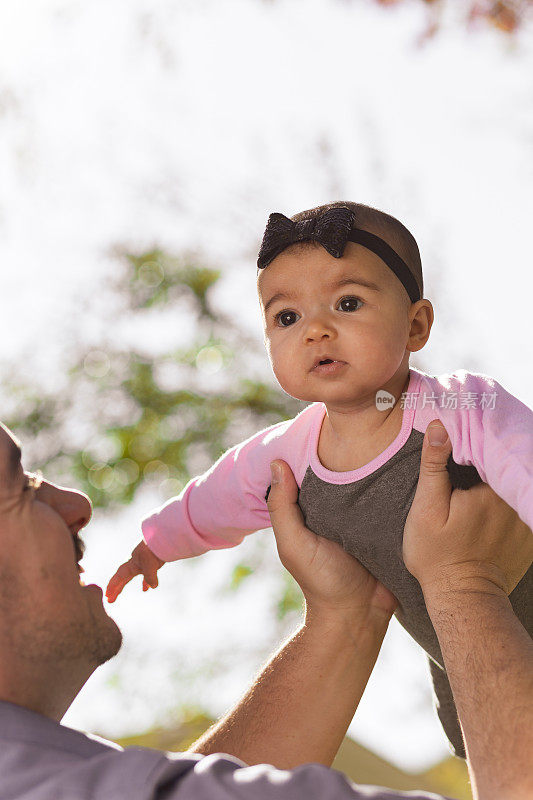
368, 517
43, 760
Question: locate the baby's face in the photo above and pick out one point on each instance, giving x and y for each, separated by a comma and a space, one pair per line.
352, 310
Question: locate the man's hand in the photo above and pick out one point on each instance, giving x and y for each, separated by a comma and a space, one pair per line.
462, 539
142, 562
333, 582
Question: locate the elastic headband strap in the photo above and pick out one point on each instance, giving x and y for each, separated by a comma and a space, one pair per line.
391, 259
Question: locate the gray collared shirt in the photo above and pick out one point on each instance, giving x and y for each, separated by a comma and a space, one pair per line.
43, 760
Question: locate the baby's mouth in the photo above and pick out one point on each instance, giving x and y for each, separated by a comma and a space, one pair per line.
325, 361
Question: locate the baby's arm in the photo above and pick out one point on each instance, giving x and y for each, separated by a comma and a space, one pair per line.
490, 429
219, 508
226, 503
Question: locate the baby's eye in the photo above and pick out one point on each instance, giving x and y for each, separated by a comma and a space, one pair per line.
284, 318
350, 303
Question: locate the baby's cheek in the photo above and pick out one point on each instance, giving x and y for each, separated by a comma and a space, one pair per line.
386, 339
268, 347
276, 353
283, 359
282, 369
279, 370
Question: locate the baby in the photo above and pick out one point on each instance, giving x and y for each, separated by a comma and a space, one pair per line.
341, 294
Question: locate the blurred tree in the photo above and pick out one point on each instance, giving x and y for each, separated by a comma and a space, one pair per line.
151, 417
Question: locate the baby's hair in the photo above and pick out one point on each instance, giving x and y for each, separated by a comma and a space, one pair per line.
379, 223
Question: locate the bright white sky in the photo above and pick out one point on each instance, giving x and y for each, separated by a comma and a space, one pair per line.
185, 124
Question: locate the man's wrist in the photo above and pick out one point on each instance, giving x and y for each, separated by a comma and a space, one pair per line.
463, 580
349, 625
447, 596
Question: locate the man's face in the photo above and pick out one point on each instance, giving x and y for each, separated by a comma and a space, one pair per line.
322, 314
46, 615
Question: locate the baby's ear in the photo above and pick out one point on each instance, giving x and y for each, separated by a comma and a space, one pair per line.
421, 315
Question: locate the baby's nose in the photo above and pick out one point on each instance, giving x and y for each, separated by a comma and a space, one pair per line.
319, 327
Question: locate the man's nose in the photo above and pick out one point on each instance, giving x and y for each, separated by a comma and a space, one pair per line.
74, 506
318, 326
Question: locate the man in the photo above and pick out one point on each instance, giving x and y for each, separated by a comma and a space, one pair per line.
55, 632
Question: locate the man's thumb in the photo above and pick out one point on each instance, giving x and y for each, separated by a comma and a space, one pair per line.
437, 441
283, 488
285, 513
434, 482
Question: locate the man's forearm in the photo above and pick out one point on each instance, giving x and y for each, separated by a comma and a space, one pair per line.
299, 708
488, 656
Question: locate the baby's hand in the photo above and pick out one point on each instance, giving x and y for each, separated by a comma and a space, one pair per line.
142, 562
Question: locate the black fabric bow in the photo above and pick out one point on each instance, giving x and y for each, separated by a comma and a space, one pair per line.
331, 230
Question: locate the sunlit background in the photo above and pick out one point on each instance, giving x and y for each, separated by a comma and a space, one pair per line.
157, 127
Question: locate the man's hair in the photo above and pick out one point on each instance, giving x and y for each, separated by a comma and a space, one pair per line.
381, 224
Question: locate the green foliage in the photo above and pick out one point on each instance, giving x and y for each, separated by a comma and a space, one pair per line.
156, 278
140, 426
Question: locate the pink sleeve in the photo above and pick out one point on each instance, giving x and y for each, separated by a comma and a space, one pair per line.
489, 428
219, 508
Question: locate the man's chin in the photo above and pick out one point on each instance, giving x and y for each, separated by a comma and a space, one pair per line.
107, 644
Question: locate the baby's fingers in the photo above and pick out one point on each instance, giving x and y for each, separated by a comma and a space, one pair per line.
122, 576
150, 578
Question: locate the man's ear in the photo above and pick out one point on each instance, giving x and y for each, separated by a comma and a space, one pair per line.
421, 320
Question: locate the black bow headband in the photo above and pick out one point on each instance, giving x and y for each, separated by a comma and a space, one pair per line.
332, 230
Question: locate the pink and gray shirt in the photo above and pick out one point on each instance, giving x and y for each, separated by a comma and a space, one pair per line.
365, 509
